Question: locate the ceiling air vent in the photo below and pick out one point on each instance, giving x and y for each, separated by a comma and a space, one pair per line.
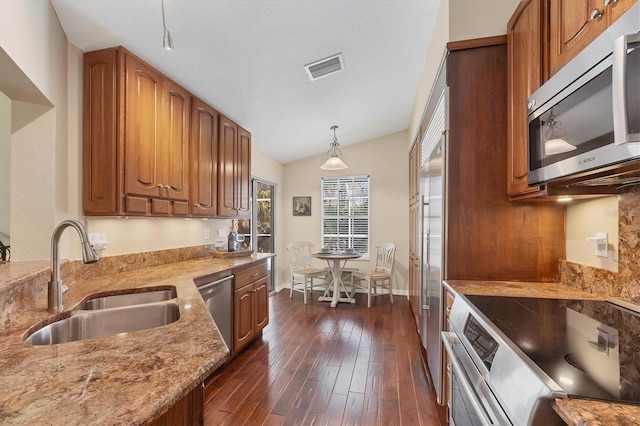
325, 67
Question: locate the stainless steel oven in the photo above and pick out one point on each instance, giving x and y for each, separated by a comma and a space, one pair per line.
511, 355
492, 381
472, 402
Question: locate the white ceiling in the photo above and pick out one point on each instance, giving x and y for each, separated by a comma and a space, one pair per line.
246, 58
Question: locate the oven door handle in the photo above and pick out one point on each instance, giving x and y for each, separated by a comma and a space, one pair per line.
449, 339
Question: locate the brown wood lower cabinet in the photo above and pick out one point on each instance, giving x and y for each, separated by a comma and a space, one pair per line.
250, 305
187, 411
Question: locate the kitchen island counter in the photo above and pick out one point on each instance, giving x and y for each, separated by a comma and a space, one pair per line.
574, 411
131, 378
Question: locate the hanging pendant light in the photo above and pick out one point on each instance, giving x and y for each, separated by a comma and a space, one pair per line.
334, 162
554, 138
167, 41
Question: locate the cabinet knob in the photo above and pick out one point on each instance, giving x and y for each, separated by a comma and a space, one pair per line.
159, 189
596, 13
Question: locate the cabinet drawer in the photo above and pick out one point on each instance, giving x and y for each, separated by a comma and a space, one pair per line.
250, 274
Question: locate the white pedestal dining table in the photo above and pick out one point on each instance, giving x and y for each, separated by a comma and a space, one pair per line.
339, 260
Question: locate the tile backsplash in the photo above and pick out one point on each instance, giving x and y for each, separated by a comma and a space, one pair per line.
626, 282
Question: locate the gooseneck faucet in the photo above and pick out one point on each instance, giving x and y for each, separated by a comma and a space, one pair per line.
56, 289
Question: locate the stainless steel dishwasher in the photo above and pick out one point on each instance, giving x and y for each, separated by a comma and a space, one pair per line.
217, 294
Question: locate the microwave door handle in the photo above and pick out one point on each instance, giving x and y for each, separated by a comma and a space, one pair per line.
619, 90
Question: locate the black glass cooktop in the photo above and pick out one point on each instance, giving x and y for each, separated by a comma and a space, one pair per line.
589, 348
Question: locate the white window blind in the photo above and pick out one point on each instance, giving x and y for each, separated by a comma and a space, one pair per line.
345, 213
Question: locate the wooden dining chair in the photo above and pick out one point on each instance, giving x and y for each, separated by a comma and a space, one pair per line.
301, 271
381, 276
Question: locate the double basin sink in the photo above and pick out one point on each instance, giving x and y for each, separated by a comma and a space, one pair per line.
105, 315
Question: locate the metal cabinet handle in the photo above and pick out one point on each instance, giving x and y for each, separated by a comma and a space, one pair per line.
596, 13
166, 187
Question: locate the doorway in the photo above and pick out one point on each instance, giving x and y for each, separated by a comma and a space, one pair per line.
262, 221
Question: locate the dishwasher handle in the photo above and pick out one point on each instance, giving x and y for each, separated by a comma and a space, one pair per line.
215, 283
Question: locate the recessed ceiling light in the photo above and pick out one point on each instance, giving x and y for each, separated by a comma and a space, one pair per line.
325, 67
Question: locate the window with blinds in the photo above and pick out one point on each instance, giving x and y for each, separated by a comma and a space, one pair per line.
345, 213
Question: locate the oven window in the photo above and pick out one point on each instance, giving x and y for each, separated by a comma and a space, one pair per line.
482, 343
462, 410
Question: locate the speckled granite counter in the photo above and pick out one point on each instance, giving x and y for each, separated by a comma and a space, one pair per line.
575, 412
114, 379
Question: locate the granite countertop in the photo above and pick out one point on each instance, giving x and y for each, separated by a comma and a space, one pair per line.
120, 379
574, 411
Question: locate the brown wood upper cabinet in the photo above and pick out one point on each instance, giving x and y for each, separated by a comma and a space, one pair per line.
156, 142
533, 45
204, 159
136, 138
524, 75
575, 23
152, 149
234, 169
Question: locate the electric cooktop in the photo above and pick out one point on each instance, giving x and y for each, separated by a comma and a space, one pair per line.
591, 349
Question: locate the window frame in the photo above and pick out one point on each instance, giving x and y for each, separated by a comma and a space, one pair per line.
330, 211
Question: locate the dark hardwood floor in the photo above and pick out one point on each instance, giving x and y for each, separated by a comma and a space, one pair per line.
317, 365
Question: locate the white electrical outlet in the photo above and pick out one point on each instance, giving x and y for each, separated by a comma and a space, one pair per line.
207, 234
222, 233
601, 241
98, 240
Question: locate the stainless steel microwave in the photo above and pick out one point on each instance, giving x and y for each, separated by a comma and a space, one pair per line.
585, 120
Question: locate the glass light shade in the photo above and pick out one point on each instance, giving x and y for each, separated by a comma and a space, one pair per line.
334, 163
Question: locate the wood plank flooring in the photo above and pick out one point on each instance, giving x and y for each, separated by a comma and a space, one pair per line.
317, 365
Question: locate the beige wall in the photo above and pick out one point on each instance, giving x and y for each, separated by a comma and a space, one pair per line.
5, 156
457, 20
583, 220
385, 161
44, 192
474, 19
32, 39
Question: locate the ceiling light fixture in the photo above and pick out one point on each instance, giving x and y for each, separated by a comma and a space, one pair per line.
334, 162
554, 138
167, 41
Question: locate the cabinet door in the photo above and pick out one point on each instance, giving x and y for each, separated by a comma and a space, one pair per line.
571, 28
261, 289
143, 93
620, 7
174, 157
204, 159
243, 173
99, 127
243, 316
226, 168
524, 76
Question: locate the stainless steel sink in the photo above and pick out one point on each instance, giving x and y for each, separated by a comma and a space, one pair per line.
128, 299
104, 322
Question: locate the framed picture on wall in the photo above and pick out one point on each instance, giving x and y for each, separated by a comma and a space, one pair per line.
302, 206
